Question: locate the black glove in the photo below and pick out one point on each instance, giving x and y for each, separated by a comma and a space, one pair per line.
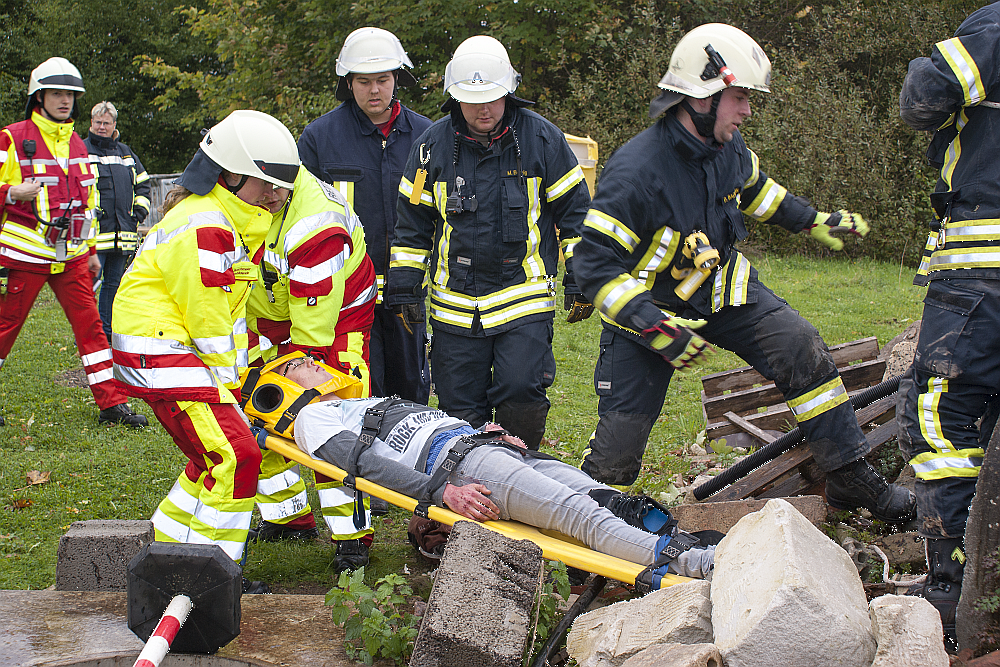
574, 301
404, 299
578, 306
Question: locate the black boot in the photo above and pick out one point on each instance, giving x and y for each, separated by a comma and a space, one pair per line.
351, 554
639, 512
945, 567
255, 587
858, 485
122, 414
266, 531
524, 420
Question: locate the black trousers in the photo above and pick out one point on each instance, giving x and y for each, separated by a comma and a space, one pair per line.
397, 359
631, 381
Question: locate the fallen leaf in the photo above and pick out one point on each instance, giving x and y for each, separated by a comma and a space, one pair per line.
72, 510
35, 477
21, 503
62, 349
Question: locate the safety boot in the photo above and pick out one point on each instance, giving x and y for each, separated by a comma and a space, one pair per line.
255, 587
267, 531
943, 588
122, 414
639, 512
858, 485
351, 554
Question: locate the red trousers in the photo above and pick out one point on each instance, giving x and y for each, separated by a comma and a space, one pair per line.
73, 289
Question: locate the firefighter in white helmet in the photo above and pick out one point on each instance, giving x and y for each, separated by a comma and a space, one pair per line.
179, 321
488, 196
360, 148
47, 200
658, 259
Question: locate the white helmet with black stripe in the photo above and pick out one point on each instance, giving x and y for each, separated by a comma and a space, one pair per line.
54, 74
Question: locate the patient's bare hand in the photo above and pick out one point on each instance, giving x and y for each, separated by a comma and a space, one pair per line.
470, 501
511, 439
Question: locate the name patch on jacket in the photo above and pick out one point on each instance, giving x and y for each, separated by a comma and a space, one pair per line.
731, 196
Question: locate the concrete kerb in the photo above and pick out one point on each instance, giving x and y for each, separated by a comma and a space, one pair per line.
94, 555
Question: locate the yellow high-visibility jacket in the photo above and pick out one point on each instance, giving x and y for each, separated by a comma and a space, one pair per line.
179, 317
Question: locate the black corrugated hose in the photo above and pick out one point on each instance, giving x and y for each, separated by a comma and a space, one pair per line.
774, 449
577, 608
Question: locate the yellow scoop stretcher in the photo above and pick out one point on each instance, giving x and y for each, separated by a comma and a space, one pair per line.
554, 545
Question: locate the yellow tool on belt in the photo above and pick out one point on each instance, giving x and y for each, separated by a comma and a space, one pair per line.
700, 259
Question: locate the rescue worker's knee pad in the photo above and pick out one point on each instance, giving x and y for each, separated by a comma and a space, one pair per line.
616, 448
524, 420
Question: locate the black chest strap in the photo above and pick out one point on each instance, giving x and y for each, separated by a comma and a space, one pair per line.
370, 427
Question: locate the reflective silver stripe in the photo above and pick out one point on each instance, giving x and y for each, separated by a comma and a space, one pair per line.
335, 497
79, 160
618, 292
972, 228
145, 345
166, 378
46, 180
927, 410
819, 400
39, 161
100, 376
228, 374
309, 224
937, 463
560, 187
279, 263
220, 262
215, 344
968, 74
279, 482
611, 227
87, 182
362, 298
310, 275
240, 326
112, 159
401, 256
272, 511
663, 239
96, 357
991, 258
509, 314
537, 288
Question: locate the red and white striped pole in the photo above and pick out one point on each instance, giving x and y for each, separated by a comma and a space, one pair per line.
170, 623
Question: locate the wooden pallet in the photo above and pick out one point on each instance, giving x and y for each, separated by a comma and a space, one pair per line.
742, 400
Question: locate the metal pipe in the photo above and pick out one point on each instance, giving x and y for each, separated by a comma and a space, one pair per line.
577, 608
774, 449
163, 636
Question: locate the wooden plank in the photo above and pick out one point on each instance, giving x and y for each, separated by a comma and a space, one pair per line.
775, 418
764, 475
882, 434
750, 428
863, 349
860, 376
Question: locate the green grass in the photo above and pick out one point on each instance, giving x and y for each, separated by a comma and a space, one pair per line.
116, 473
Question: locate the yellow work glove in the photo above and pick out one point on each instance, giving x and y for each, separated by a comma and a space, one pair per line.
675, 340
827, 226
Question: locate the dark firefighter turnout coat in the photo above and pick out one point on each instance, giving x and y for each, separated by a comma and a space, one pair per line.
488, 222
658, 188
955, 92
122, 192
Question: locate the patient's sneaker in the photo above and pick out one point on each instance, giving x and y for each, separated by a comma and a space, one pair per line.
680, 554
640, 512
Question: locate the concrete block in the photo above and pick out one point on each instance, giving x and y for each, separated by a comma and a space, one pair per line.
677, 655
482, 608
94, 555
609, 636
723, 516
908, 632
783, 593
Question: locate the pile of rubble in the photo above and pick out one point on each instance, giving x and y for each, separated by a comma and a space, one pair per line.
783, 593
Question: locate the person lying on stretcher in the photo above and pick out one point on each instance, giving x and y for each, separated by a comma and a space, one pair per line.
405, 444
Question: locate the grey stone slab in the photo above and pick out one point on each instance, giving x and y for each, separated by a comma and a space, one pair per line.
67, 627
94, 555
482, 608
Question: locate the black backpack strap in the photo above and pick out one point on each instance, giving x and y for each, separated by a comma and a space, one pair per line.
253, 376
293, 410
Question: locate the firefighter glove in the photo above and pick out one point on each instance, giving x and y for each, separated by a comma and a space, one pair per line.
676, 342
827, 227
409, 313
579, 308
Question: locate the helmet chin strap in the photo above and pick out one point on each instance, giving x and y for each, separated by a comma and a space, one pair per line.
704, 122
236, 188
